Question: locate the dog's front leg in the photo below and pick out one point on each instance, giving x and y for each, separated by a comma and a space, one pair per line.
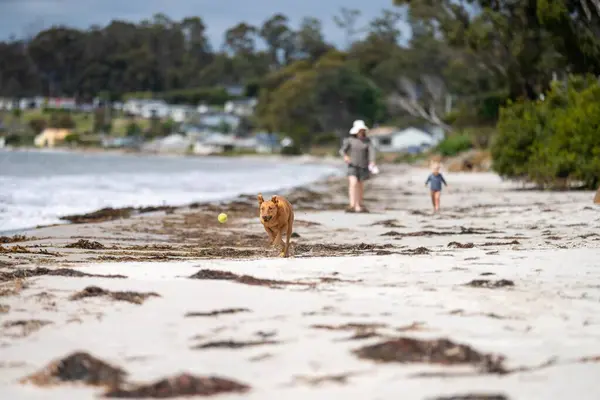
271, 235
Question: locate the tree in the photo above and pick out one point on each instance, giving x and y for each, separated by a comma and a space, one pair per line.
279, 39
241, 39
305, 99
553, 142
310, 42
347, 22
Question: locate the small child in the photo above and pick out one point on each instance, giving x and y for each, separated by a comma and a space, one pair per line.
435, 180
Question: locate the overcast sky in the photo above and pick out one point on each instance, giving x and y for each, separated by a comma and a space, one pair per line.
24, 17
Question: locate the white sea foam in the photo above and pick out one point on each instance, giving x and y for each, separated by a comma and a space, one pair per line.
44, 187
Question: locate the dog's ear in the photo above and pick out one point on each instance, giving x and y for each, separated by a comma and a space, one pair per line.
260, 199
274, 199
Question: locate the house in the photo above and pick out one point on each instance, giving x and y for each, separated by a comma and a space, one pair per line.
50, 137
241, 107
234, 90
267, 143
174, 143
2, 142
220, 121
127, 142
206, 109
214, 143
392, 140
181, 114
146, 108
63, 103
155, 109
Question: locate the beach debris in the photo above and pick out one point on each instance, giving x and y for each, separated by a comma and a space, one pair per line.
23, 273
26, 326
435, 351
500, 243
211, 274
78, 367
361, 330
391, 233
233, 344
490, 284
15, 238
331, 249
4, 308
217, 312
461, 245
340, 379
14, 249
416, 251
13, 287
86, 244
109, 214
388, 223
104, 214
131, 297
350, 326
179, 385
473, 396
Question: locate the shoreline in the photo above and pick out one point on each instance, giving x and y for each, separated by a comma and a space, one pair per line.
477, 300
293, 160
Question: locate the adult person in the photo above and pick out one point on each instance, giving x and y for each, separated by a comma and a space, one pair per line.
359, 154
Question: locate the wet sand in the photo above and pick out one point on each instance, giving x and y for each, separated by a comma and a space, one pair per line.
496, 296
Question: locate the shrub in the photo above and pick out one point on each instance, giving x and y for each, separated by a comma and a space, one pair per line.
453, 145
37, 125
552, 142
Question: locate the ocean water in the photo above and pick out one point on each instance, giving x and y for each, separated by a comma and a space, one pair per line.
38, 187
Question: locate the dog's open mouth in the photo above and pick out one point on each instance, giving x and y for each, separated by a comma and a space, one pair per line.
267, 218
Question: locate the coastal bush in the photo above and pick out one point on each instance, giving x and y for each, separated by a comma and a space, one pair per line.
454, 144
37, 125
553, 142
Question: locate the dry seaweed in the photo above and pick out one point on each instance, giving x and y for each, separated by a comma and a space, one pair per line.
130, 297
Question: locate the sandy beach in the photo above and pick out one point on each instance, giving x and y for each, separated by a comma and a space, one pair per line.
497, 296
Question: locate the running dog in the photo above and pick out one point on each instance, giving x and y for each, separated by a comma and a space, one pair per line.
277, 217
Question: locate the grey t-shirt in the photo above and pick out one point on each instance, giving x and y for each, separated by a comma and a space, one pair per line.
435, 182
360, 151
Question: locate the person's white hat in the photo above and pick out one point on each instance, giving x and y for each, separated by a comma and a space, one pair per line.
357, 126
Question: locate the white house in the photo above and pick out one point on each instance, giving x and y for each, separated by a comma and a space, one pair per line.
218, 120
2, 142
391, 140
181, 114
174, 143
242, 107
146, 108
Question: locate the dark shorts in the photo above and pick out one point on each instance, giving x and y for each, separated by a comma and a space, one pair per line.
362, 174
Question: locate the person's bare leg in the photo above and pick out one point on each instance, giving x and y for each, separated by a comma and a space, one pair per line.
352, 181
360, 191
433, 200
438, 196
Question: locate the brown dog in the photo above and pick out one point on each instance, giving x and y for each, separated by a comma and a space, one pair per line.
277, 217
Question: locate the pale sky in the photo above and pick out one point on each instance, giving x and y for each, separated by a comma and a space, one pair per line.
26, 17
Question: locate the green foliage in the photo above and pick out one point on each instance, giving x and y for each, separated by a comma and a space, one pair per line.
292, 150
17, 139
324, 96
454, 145
73, 138
61, 120
133, 129
38, 124
213, 96
552, 142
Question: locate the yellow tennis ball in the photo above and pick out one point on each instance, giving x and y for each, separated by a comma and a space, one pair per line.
222, 218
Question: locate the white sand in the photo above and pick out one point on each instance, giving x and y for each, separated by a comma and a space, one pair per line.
552, 311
